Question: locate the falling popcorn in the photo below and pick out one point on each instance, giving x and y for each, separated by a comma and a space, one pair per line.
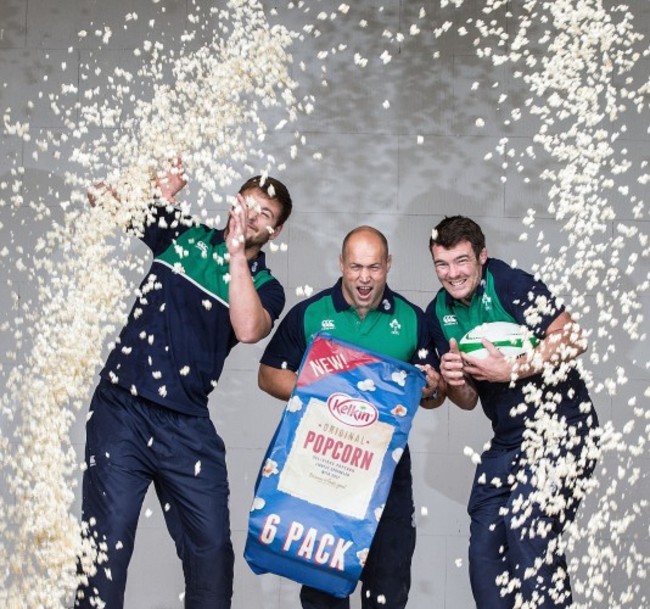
305, 291
366, 385
470, 452
270, 468
258, 503
362, 556
294, 404
360, 60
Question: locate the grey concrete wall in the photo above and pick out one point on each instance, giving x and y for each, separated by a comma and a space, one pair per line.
373, 170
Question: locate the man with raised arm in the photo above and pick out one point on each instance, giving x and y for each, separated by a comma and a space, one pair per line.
207, 290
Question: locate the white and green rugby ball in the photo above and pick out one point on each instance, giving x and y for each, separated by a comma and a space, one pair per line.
511, 339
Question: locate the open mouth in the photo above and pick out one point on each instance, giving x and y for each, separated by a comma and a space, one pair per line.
364, 291
456, 283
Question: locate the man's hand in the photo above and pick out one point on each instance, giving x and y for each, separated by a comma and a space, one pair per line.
237, 223
496, 367
98, 191
460, 387
433, 380
172, 181
433, 393
452, 366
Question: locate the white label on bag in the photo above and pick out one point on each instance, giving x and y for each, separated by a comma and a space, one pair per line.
333, 464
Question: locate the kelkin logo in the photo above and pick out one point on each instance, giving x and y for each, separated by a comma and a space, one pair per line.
352, 411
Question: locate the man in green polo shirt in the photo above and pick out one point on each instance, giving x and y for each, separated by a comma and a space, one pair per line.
532, 476
363, 310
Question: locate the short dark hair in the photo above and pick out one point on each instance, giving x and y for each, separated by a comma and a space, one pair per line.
274, 190
454, 229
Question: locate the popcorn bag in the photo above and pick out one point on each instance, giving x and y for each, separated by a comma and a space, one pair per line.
328, 470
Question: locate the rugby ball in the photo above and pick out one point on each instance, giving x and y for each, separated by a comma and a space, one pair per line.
509, 338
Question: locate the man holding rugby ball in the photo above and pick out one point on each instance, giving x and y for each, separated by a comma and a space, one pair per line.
532, 476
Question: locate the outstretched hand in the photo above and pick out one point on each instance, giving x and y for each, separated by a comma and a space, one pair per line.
171, 181
98, 191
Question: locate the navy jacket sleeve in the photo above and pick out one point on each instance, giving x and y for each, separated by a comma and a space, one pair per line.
426, 351
287, 346
272, 298
163, 225
527, 299
440, 342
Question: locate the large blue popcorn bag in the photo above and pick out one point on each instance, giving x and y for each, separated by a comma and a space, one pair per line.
328, 470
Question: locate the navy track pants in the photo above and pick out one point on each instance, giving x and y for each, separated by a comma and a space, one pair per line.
131, 442
513, 538
386, 576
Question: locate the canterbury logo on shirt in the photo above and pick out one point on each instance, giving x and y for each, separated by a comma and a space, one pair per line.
205, 264
203, 247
